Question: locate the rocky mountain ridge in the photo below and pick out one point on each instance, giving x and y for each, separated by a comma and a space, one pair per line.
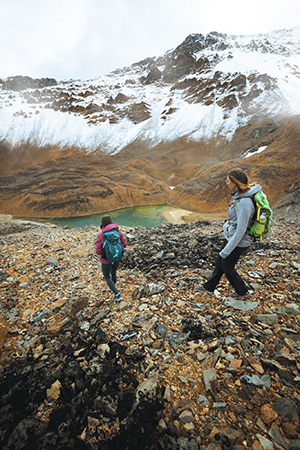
166, 122
204, 70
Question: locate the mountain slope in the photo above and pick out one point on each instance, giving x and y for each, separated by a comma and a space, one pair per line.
165, 121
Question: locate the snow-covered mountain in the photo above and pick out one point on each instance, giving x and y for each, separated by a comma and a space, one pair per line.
164, 130
207, 87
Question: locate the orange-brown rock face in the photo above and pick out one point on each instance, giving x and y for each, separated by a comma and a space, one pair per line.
75, 185
50, 182
276, 169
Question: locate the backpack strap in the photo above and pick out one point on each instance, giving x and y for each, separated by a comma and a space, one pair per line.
257, 209
235, 203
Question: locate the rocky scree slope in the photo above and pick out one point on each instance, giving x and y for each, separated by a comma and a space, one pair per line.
166, 368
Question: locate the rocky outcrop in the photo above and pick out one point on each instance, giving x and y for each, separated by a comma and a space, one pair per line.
138, 112
21, 83
153, 75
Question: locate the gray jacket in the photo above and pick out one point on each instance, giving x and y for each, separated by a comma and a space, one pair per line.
236, 228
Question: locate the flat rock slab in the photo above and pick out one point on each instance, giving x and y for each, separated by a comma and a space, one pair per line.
241, 304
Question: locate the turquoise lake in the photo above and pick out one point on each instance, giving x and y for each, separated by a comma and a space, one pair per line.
144, 216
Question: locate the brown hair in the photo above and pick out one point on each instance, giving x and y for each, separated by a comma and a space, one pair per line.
240, 178
106, 220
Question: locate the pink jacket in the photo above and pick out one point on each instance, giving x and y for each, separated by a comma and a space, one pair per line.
100, 241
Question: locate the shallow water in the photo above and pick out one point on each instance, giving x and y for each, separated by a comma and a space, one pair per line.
145, 216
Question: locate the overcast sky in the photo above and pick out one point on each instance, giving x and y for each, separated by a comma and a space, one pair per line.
83, 39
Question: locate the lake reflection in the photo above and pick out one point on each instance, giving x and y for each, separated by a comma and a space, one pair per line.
145, 216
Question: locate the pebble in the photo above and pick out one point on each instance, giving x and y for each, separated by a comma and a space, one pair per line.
241, 305
268, 319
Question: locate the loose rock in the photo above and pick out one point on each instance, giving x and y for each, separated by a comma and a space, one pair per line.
169, 367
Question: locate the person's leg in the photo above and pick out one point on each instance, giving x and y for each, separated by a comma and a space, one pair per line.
107, 270
114, 272
228, 267
213, 281
211, 284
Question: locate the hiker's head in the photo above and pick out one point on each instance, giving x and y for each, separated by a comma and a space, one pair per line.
237, 179
106, 220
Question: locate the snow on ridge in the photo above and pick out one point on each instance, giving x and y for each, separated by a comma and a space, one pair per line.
66, 129
276, 38
62, 129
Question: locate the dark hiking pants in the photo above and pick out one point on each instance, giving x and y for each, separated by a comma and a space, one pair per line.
110, 274
227, 266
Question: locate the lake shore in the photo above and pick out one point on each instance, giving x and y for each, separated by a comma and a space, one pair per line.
178, 216
175, 216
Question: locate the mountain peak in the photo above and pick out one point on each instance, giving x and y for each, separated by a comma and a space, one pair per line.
207, 87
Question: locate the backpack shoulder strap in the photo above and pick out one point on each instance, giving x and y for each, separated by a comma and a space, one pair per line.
234, 202
256, 209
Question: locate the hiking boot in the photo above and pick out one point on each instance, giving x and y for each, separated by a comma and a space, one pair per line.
201, 288
117, 298
236, 295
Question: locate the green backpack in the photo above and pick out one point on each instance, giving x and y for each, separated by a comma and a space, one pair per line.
260, 226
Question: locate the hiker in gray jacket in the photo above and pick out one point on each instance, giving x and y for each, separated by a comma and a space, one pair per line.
236, 233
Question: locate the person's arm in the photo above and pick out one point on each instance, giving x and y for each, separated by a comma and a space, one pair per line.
99, 245
123, 240
244, 210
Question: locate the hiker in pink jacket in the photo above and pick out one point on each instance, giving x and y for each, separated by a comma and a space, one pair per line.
109, 270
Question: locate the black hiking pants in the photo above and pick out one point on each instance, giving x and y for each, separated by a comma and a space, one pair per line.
227, 266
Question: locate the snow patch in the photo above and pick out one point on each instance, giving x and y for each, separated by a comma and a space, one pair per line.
249, 153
